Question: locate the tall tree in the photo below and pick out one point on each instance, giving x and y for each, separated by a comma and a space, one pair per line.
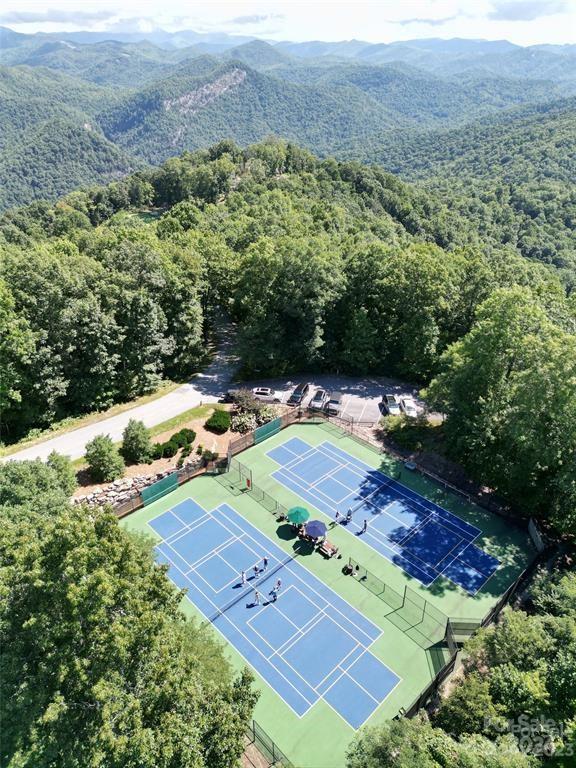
508, 391
99, 668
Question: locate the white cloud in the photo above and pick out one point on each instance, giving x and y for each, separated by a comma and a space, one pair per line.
522, 21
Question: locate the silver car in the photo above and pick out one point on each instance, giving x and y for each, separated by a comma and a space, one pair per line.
319, 400
391, 404
334, 404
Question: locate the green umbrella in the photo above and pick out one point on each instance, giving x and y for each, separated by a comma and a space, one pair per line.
298, 515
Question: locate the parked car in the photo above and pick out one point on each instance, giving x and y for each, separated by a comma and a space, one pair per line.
391, 405
230, 396
319, 400
266, 394
298, 395
334, 404
408, 406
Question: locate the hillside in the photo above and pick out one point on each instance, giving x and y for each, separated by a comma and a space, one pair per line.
187, 111
512, 175
85, 157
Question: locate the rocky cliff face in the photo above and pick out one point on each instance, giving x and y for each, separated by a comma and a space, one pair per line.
191, 102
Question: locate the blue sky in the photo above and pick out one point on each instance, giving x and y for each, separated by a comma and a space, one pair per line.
525, 22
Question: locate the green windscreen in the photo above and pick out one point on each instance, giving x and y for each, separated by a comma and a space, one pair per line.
160, 488
267, 430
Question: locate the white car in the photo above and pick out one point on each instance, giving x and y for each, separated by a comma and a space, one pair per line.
408, 406
391, 404
266, 394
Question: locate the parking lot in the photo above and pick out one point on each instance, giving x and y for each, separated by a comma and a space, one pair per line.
361, 397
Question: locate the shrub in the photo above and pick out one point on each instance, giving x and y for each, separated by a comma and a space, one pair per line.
104, 460
243, 422
200, 450
182, 439
209, 455
65, 471
219, 422
136, 446
245, 402
266, 414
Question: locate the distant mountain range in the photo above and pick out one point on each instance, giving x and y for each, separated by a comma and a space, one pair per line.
82, 108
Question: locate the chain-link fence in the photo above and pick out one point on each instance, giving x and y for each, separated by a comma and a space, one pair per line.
267, 747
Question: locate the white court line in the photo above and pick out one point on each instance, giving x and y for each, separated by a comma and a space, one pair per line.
284, 592
394, 546
205, 557
379, 703
261, 636
258, 651
317, 491
298, 457
358, 645
188, 528
191, 524
260, 654
185, 526
387, 543
398, 486
310, 589
287, 644
198, 572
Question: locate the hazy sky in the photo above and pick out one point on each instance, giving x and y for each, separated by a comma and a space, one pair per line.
525, 22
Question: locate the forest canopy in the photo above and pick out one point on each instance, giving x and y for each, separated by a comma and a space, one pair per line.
323, 266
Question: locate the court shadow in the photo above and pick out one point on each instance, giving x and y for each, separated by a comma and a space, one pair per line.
286, 532
437, 656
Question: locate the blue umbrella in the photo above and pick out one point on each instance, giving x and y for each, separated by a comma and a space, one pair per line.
315, 529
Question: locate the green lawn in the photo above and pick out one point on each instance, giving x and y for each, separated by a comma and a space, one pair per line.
320, 738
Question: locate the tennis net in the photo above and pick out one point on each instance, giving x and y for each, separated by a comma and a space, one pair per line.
252, 587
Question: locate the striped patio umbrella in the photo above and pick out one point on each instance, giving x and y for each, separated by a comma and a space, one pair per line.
298, 515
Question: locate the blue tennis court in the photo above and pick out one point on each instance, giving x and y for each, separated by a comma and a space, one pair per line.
308, 643
422, 538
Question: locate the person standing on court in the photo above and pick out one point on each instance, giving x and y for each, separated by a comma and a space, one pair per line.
243, 577
365, 526
256, 597
278, 585
274, 594
256, 570
337, 517
264, 563
349, 515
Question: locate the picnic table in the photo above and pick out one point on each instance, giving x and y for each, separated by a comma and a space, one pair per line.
328, 549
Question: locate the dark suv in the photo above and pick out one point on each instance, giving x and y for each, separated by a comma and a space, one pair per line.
299, 394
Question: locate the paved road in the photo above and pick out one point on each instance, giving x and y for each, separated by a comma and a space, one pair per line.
361, 401
206, 387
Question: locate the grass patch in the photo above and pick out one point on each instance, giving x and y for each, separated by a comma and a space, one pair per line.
199, 412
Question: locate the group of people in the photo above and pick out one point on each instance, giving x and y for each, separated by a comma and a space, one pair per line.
347, 518
257, 570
